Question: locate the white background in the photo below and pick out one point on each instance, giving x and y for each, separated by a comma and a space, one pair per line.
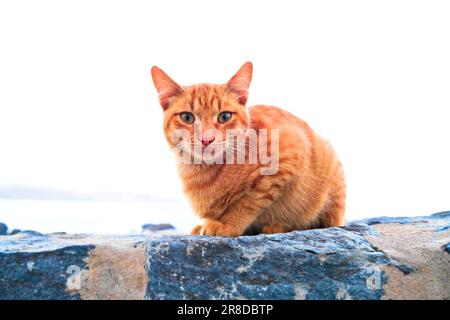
78, 110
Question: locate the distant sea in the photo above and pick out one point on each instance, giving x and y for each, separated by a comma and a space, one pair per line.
90, 216
54, 210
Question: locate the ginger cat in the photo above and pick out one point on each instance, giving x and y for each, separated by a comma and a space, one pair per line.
305, 190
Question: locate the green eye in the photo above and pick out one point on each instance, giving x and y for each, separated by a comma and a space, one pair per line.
187, 117
224, 117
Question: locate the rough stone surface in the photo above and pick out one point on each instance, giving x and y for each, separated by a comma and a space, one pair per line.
421, 268
315, 264
61, 266
379, 258
34, 267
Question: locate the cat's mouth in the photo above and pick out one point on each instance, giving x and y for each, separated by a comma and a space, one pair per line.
195, 153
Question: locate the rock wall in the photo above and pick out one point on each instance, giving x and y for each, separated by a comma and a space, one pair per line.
380, 258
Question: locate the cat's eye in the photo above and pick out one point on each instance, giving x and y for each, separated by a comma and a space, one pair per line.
187, 117
224, 117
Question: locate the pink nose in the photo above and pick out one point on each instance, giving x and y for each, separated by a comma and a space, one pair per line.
207, 140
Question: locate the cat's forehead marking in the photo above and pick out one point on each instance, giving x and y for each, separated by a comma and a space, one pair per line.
205, 97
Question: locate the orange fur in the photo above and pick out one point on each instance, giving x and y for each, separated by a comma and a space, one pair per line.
308, 191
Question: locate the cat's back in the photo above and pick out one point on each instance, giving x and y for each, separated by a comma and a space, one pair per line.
270, 117
313, 169
297, 140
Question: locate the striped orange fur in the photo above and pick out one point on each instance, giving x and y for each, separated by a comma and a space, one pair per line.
308, 190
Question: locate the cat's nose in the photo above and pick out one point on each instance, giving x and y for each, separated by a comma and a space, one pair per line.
206, 141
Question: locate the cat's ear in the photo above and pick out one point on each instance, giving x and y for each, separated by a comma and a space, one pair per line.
166, 87
240, 82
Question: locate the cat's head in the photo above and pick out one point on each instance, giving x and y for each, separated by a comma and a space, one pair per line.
202, 114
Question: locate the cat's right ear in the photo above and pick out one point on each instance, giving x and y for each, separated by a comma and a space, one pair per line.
240, 82
166, 87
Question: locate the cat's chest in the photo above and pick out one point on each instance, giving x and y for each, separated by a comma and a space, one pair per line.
207, 187
211, 192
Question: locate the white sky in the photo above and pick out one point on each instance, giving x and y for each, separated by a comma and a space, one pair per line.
78, 110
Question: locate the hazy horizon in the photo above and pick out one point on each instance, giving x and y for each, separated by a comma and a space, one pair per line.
57, 210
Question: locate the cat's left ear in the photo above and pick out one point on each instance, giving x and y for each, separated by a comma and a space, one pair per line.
166, 87
240, 82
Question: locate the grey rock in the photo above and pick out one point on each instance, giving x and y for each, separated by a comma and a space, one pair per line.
441, 215
405, 259
443, 228
68, 267
405, 220
32, 268
28, 232
316, 264
361, 228
157, 227
3, 229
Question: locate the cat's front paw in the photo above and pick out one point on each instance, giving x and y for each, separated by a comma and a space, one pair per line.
196, 230
275, 228
217, 228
